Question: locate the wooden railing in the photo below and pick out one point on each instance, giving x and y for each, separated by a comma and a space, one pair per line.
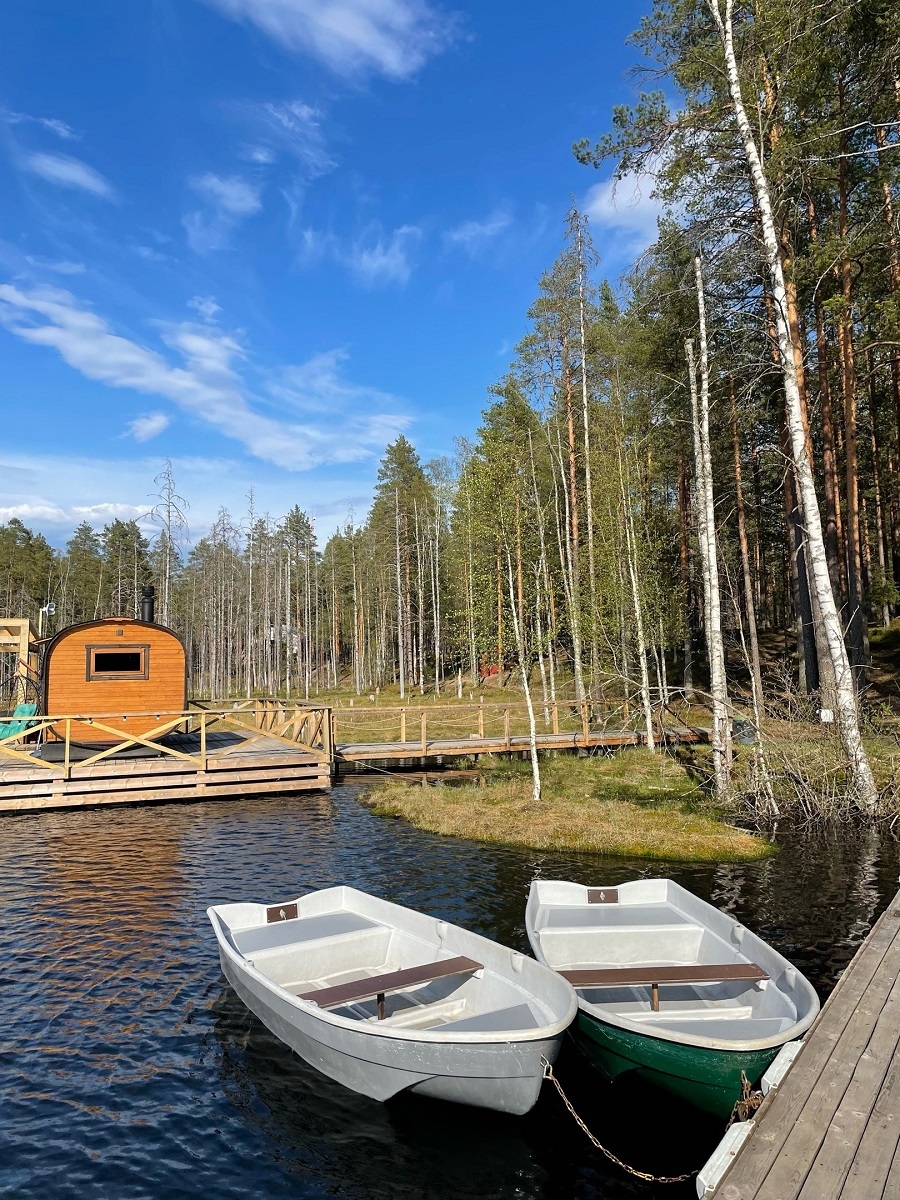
416, 723
308, 727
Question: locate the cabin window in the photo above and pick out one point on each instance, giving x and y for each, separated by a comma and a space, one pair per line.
118, 662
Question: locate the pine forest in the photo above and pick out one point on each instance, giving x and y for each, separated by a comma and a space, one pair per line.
684, 488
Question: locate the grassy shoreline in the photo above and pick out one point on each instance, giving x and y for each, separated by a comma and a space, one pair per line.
633, 804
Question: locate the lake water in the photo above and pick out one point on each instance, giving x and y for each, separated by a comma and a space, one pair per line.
128, 1069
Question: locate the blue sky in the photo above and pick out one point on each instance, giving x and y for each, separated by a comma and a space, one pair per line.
263, 237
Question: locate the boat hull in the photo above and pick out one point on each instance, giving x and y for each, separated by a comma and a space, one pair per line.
708, 1078
504, 1076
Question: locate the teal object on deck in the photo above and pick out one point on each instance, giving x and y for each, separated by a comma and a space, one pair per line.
15, 727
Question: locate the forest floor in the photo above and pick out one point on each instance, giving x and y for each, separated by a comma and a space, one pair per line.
633, 803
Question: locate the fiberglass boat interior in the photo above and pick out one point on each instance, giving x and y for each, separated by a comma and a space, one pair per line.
342, 936
657, 923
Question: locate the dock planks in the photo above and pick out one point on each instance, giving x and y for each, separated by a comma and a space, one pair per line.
831, 1131
235, 766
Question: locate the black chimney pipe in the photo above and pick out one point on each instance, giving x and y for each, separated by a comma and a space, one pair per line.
148, 603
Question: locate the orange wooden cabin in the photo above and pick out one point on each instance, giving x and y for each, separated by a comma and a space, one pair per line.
116, 666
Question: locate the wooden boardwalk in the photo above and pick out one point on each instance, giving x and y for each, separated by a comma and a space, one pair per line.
831, 1131
606, 739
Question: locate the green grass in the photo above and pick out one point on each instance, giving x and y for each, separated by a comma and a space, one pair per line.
634, 804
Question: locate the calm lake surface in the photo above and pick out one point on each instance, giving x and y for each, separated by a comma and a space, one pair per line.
128, 1069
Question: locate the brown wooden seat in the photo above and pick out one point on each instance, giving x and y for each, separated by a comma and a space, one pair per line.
392, 981
652, 977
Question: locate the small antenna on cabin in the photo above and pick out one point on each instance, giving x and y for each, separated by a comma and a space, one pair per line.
148, 603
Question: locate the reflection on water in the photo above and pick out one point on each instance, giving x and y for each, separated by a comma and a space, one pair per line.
128, 1069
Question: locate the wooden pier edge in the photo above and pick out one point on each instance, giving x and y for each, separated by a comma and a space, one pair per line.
203, 752
830, 1129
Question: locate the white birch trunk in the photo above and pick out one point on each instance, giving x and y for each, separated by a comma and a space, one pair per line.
718, 685
588, 484
401, 655
848, 713
631, 555
523, 667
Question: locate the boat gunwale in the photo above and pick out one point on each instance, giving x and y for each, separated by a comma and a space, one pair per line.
437, 1037
643, 1027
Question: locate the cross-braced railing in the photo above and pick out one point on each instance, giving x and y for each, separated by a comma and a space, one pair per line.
307, 727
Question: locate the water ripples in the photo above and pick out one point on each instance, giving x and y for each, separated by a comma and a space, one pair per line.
129, 1070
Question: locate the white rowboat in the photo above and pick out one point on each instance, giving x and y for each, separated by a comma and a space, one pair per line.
384, 999
669, 986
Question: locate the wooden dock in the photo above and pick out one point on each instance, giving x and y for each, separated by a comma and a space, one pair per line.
831, 1130
202, 753
611, 739
426, 732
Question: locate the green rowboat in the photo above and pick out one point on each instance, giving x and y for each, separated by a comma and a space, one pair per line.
669, 987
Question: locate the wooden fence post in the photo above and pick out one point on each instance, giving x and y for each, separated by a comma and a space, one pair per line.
585, 727
203, 741
555, 716
68, 747
424, 734
506, 726
402, 724
481, 716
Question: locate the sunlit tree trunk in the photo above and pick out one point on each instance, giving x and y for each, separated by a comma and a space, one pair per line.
848, 715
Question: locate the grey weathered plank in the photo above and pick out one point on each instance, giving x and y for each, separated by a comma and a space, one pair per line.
808, 1130
834, 1031
830, 1167
876, 1151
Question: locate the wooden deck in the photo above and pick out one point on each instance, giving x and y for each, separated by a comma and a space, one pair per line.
831, 1130
606, 739
204, 753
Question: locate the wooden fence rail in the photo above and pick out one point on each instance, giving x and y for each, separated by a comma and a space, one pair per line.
308, 727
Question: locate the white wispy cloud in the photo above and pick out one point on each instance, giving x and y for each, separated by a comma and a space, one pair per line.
143, 428
390, 37
626, 209
474, 236
229, 199
294, 129
55, 492
233, 195
46, 512
380, 260
51, 124
203, 380
374, 257
205, 306
65, 171
318, 386
62, 267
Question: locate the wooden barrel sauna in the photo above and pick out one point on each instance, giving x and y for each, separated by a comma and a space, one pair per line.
116, 666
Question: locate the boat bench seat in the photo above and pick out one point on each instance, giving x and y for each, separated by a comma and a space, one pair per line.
652, 977
516, 1016
279, 934
610, 916
393, 981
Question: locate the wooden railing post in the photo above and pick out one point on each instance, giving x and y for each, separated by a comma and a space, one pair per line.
584, 721
481, 716
506, 726
203, 741
555, 716
402, 724
424, 734
66, 763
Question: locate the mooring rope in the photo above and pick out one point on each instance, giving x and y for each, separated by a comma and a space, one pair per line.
548, 1074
